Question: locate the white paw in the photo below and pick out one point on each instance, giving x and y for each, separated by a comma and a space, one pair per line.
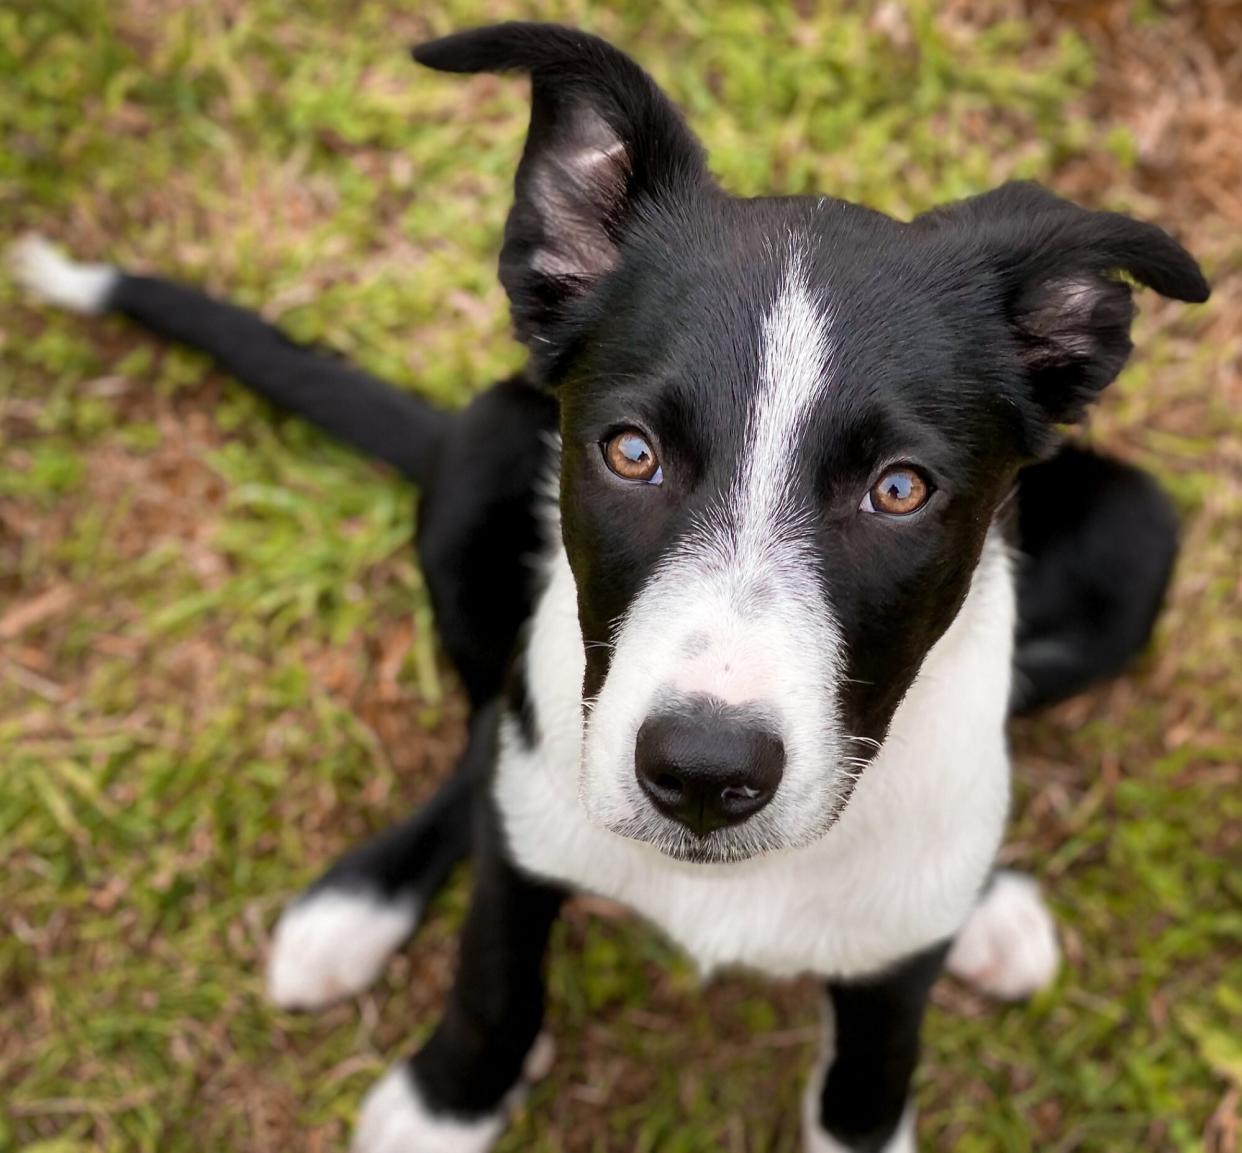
393, 1119
1008, 948
815, 1140
333, 944
46, 272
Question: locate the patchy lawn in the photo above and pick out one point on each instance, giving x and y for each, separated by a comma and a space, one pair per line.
217, 667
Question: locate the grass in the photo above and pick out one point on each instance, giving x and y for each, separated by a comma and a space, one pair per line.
217, 667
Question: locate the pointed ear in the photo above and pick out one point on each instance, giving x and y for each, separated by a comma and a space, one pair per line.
1062, 274
603, 138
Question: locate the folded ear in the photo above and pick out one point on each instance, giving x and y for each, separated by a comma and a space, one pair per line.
1061, 273
603, 138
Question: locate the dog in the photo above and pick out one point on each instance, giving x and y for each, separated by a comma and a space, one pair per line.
808, 532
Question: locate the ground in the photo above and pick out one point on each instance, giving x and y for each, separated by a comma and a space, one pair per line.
217, 667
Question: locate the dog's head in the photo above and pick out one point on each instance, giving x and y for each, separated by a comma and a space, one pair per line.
787, 425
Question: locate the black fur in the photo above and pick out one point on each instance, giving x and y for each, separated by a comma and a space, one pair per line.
372, 416
413, 859
478, 469
479, 530
1058, 271
1098, 540
603, 140
495, 1008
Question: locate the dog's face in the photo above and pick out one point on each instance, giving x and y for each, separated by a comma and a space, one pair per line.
787, 426
783, 440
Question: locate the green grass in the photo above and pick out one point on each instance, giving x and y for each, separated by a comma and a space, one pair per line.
217, 667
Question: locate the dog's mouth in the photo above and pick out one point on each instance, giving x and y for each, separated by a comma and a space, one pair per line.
797, 818
720, 847
728, 846
805, 807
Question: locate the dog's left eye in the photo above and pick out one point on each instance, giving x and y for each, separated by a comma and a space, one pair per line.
899, 492
629, 454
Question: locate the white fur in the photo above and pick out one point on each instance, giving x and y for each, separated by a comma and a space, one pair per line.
394, 1119
814, 1137
900, 870
904, 1140
737, 612
1008, 948
46, 272
333, 944
539, 1060
795, 374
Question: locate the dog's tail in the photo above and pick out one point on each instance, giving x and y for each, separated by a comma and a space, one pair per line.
368, 414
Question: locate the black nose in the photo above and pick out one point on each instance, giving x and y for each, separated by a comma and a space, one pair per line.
709, 767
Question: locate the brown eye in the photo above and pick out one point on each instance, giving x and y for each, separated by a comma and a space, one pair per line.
899, 492
631, 457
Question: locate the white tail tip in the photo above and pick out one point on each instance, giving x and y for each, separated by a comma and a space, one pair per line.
47, 273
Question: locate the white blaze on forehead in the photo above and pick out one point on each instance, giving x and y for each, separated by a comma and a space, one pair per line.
793, 376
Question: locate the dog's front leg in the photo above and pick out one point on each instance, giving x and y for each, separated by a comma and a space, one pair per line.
452, 1096
858, 1098
335, 938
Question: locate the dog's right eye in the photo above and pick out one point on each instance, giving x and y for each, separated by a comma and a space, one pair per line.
629, 454
902, 490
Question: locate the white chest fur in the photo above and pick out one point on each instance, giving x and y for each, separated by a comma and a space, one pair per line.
899, 871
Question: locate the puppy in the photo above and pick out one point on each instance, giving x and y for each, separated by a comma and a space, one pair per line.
756, 687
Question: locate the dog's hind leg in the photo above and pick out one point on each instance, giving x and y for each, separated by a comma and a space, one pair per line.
479, 530
1097, 539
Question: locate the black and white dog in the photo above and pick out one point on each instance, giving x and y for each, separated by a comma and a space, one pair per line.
758, 687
